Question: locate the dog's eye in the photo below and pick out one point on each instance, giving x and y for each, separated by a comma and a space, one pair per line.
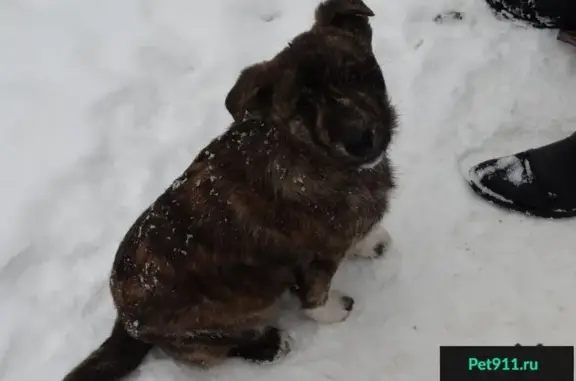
367, 75
369, 79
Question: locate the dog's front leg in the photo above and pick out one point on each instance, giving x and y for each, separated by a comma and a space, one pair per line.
373, 245
313, 288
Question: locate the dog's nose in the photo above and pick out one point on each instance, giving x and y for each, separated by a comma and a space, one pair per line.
360, 143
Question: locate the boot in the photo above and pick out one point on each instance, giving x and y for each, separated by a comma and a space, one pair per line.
567, 36
540, 182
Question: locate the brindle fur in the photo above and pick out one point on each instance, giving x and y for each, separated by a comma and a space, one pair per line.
271, 205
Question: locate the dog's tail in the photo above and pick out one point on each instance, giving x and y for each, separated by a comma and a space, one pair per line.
119, 355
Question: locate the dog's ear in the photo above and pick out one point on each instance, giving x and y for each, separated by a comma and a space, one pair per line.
332, 12
252, 92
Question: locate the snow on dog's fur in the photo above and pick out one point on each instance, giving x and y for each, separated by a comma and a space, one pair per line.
297, 182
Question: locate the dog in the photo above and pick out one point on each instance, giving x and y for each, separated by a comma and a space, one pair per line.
297, 183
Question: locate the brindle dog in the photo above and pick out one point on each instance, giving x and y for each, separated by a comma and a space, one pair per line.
298, 182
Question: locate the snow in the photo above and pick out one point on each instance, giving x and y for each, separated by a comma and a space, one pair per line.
104, 103
515, 171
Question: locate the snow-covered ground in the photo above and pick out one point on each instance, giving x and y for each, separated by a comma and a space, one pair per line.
103, 103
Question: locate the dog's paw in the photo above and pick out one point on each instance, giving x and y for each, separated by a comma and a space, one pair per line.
374, 245
285, 347
336, 309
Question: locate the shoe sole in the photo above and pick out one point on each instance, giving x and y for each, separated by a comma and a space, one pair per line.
517, 208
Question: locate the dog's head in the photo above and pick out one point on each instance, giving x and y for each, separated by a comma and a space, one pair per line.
326, 87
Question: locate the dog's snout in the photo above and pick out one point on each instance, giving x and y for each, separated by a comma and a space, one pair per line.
360, 143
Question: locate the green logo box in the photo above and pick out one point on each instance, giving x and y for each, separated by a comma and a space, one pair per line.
507, 363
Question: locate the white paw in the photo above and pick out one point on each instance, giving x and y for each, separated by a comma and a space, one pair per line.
336, 309
374, 245
286, 345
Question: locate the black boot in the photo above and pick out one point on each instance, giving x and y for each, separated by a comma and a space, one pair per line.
539, 182
567, 36
556, 14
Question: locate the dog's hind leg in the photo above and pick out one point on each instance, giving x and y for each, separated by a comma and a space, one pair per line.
251, 339
207, 349
268, 345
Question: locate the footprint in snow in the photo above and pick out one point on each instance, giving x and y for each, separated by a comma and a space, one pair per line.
448, 16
